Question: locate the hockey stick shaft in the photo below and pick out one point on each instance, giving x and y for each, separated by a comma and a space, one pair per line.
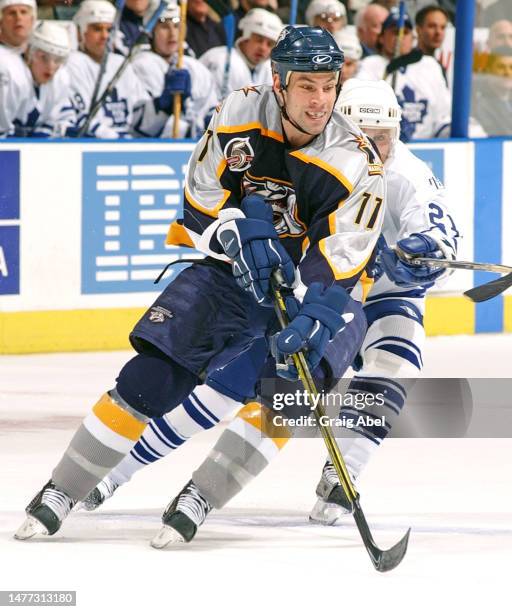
181, 47
293, 12
399, 39
228, 22
119, 72
383, 560
453, 263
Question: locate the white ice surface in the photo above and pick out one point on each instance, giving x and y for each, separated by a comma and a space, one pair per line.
260, 553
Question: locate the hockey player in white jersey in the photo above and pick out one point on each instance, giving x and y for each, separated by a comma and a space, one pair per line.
129, 110
250, 56
17, 20
34, 86
157, 72
420, 86
390, 359
262, 193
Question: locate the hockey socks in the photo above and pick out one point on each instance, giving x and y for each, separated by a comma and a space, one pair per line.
106, 435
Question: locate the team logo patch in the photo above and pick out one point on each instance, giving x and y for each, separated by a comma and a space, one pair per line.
322, 59
158, 314
239, 154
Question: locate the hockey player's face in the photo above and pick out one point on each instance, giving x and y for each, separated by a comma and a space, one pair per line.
95, 39
139, 7
165, 40
257, 48
383, 139
16, 24
43, 66
330, 21
388, 41
310, 100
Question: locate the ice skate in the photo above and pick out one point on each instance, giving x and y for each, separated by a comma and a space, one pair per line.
186, 512
99, 494
45, 512
332, 501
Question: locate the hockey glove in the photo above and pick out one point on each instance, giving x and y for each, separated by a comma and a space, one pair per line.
176, 82
313, 325
405, 274
253, 246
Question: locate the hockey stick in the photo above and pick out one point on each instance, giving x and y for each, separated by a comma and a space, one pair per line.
399, 38
481, 293
119, 72
383, 560
176, 110
228, 21
293, 12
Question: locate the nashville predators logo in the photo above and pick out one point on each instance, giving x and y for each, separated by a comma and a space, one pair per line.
283, 201
239, 154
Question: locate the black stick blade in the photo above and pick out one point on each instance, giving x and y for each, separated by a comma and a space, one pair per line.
383, 560
489, 290
389, 559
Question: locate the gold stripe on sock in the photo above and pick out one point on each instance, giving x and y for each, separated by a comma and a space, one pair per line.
261, 418
117, 419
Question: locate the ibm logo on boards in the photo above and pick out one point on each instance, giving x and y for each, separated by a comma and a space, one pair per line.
128, 202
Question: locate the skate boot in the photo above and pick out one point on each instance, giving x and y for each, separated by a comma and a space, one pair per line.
332, 501
99, 494
45, 512
182, 517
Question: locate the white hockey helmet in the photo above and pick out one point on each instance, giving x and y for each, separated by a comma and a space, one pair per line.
30, 3
262, 22
94, 11
170, 13
370, 104
51, 38
349, 43
329, 7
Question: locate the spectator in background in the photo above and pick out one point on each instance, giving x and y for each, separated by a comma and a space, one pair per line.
158, 75
131, 24
492, 93
368, 23
328, 14
250, 57
348, 42
431, 22
17, 18
203, 32
500, 34
33, 87
420, 85
244, 6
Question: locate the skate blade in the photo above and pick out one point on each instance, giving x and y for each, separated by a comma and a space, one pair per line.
167, 535
30, 528
324, 513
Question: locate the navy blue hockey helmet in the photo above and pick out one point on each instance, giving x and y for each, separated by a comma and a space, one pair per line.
305, 49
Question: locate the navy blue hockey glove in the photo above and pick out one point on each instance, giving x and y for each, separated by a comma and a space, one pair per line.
404, 274
313, 325
253, 246
176, 82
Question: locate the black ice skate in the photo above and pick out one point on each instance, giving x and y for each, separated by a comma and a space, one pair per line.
45, 512
186, 512
99, 494
332, 501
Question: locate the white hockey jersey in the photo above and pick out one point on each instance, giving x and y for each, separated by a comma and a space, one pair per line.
328, 197
421, 91
129, 110
240, 72
151, 69
28, 110
417, 202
